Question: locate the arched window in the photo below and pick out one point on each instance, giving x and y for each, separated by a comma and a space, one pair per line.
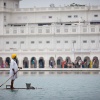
4, 4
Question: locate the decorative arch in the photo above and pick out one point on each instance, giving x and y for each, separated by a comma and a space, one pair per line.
41, 62
33, 62
25, 62
68, 59
86, 62
52, 62
95, 62
7, 62
59, 61
78, 58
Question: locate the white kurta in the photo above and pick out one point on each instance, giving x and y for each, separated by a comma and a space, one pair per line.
13, 65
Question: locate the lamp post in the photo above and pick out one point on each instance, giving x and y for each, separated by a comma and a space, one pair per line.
73, 49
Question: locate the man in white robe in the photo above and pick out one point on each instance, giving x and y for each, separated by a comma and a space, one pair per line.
13, 69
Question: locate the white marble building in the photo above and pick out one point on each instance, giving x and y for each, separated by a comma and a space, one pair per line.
58, 32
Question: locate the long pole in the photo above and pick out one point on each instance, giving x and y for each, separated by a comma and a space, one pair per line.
10, 77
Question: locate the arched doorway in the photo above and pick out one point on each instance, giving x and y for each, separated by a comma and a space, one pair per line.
78, 62
68, 62
86, 62
1, 62
51, 62
78, 58
59, 61
7, 62
95, 62
33, 62
41, 62
25, 62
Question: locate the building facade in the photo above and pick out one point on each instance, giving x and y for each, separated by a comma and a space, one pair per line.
49, 33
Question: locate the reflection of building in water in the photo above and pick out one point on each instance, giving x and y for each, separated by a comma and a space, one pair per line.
42, 34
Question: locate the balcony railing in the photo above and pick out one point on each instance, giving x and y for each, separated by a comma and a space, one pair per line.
44, 9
